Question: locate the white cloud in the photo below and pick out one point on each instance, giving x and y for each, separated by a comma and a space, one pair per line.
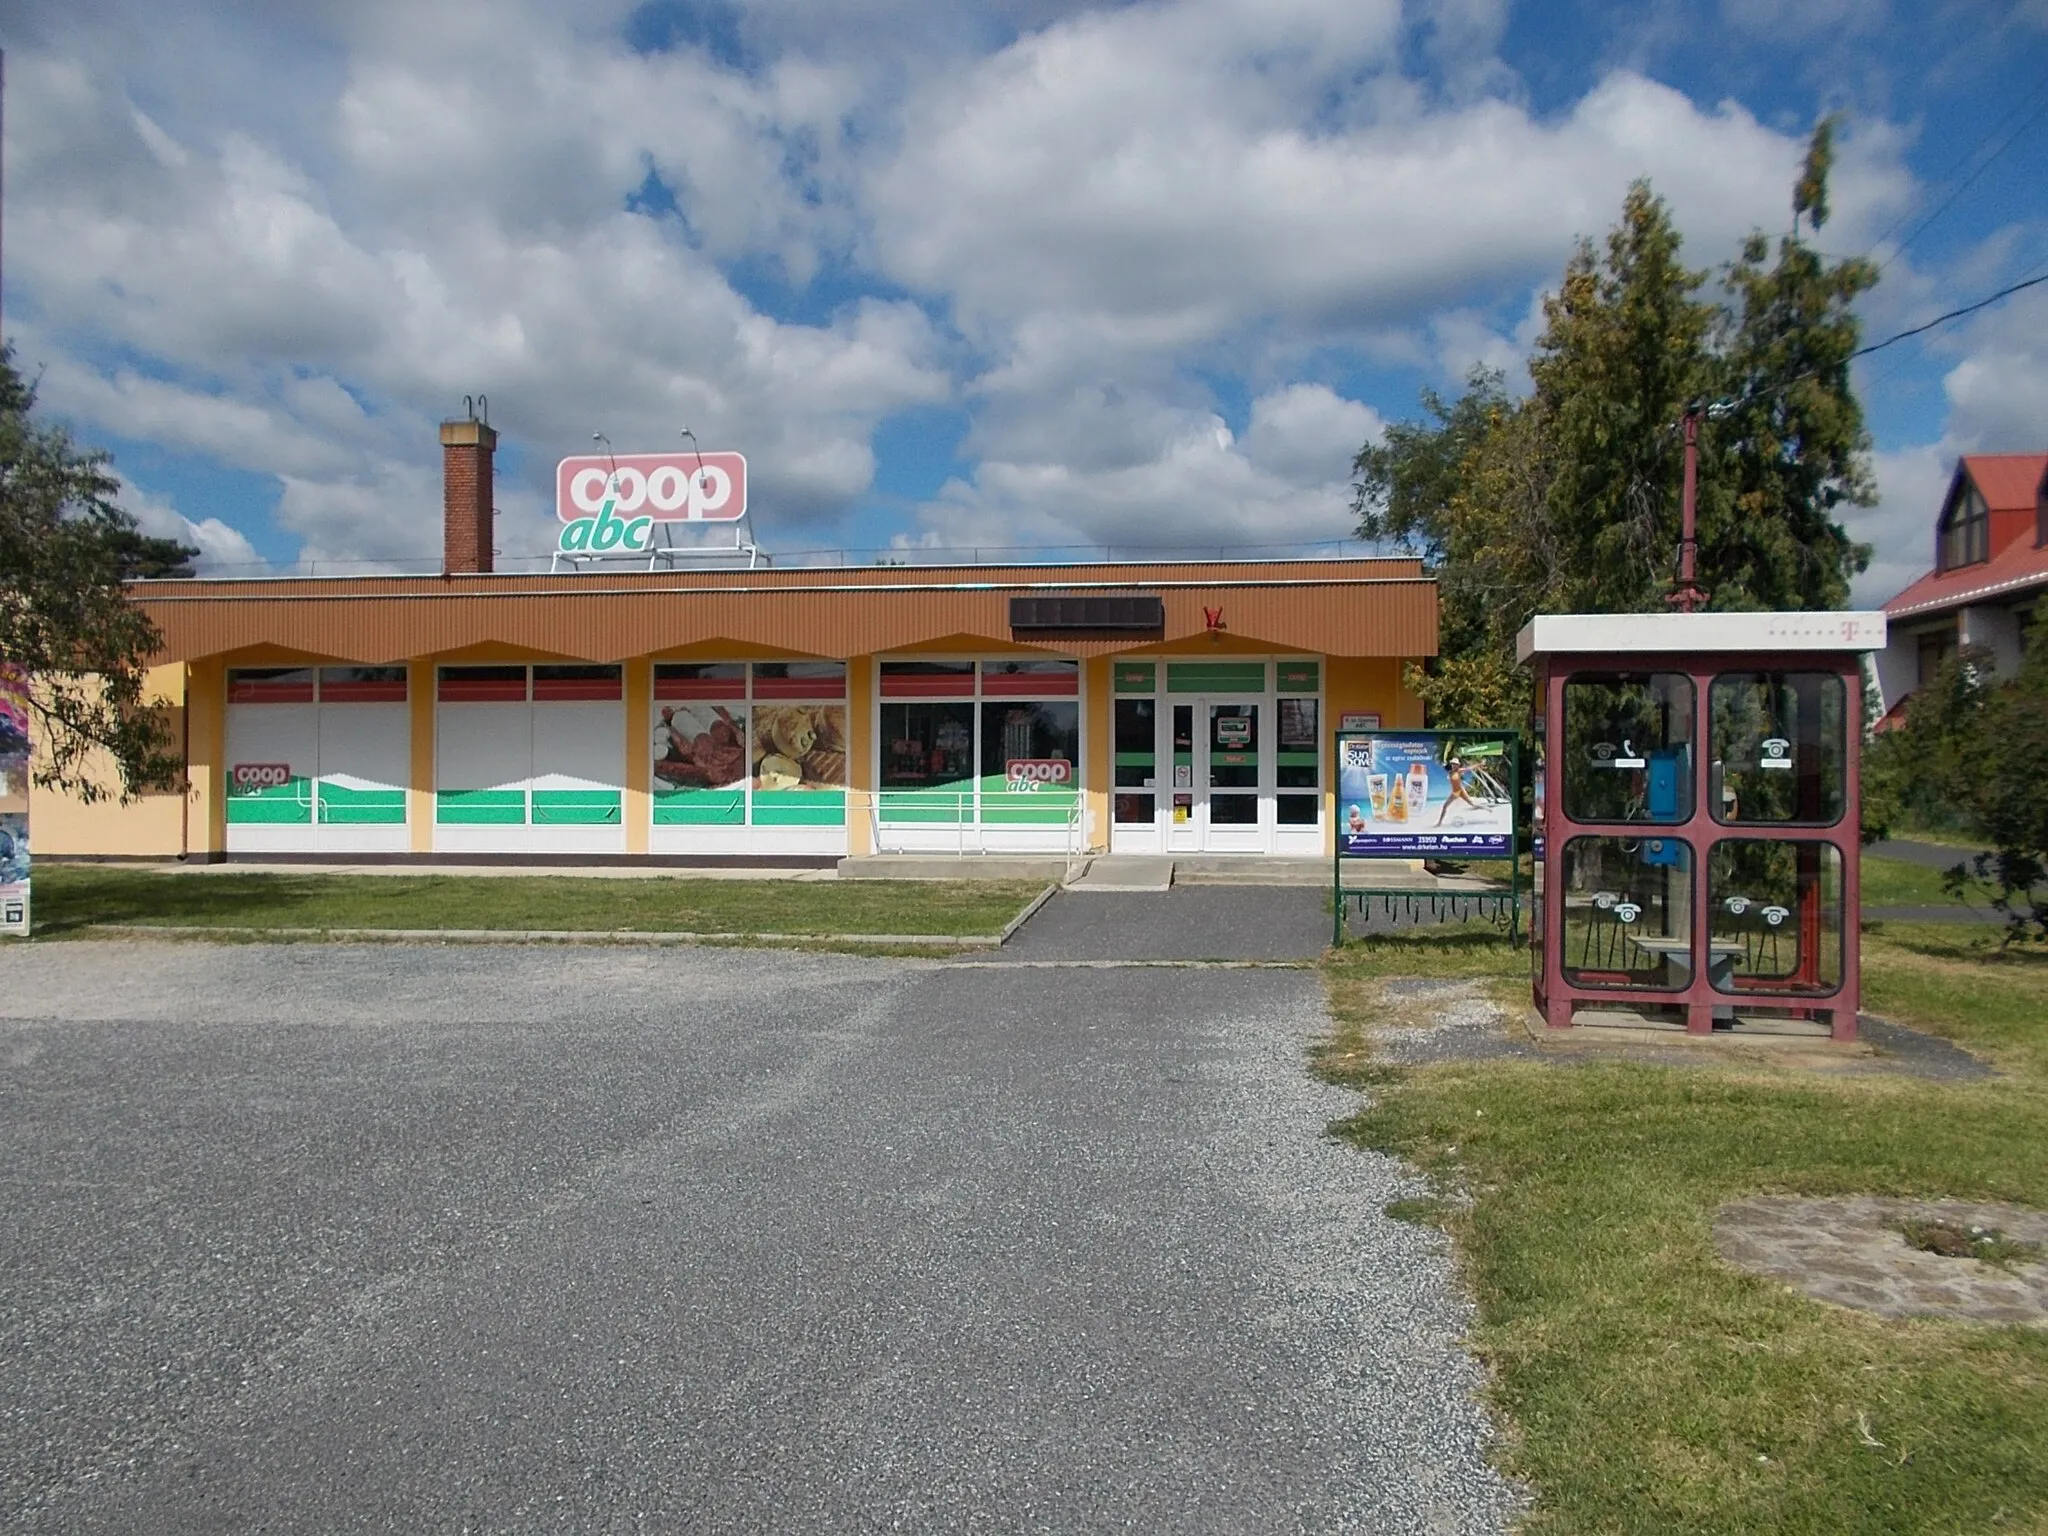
1998, 393
1308, 434
223, 551
289, 236
1163, 188
1193, 486
313, 328
1900, 528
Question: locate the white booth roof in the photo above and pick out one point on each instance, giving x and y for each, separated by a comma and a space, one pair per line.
1551, 634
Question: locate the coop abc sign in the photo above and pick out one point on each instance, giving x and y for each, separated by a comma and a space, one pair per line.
610, 505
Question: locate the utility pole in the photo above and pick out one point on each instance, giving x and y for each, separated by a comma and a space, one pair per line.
1687, 597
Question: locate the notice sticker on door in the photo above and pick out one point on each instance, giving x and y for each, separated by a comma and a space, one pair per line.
1183, 775
1233, 730
1183, 807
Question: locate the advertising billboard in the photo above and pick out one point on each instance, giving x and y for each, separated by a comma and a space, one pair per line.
14, 771
610, 504
1418, 794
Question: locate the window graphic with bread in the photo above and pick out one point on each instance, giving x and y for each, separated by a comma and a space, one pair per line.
799, 746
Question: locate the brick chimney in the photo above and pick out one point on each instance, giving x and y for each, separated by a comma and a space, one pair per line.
466, 449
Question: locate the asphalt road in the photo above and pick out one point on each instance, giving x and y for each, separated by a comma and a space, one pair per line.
324, 1238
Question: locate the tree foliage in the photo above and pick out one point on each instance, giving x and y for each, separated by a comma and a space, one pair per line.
1567, 499
66, 547
1967, 758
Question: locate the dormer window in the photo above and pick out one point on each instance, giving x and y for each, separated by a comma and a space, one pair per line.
1965, 535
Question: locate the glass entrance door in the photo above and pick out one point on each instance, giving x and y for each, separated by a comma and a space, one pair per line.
1231, 778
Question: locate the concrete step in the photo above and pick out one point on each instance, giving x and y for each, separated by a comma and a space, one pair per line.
1056, 868
1249, 869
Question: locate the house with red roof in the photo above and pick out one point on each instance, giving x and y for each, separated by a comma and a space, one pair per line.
1990, 574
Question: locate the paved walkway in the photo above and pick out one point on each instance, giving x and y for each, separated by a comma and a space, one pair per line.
1944, 914
1185, 923
1928, 855
329, 1237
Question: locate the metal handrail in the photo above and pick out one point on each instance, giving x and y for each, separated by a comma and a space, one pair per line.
963, 818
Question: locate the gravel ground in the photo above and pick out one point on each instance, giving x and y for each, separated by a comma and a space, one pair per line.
1430, 1021
332, 1238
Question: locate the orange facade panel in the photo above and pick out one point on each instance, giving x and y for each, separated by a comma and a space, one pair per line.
1336, 608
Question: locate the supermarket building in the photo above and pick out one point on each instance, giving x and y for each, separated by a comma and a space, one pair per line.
786, 715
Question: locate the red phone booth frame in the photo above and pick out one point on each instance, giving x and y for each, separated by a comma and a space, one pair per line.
1699, 647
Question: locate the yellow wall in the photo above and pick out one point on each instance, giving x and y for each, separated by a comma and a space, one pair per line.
150, 826
419, 793
860, 750
638, 804
1100, 733
206, 756
1359, 685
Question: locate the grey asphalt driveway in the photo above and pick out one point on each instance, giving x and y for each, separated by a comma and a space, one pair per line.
324, 1238
1196, 922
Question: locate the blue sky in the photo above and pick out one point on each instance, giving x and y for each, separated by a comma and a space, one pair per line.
1019, 273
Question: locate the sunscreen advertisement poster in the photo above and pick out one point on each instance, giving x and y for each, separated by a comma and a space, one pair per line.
1409, 796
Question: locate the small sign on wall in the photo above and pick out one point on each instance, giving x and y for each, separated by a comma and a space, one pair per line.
1366, 722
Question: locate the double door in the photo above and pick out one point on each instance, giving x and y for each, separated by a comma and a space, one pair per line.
1222, 776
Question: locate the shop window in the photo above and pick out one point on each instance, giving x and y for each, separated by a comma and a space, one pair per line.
1779, 747
700, 680
577, 683
928, 746
1628, 747
1136, 767
1776, 917
1298, 761
1035, 677
362, 685
1030, 759
700, 757
927, 679
482, 685
1627, 912
270, 685
797, 761
799, 679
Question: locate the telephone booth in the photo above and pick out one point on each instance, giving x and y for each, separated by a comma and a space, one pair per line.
1697, 815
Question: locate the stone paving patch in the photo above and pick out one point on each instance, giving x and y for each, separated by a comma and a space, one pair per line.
1851, 1252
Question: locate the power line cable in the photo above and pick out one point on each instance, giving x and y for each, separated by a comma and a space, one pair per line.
1970, 180
1715, 409
1954, 314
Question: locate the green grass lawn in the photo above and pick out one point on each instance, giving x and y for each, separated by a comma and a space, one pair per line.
1897, 883
70, 899
1648, 1387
